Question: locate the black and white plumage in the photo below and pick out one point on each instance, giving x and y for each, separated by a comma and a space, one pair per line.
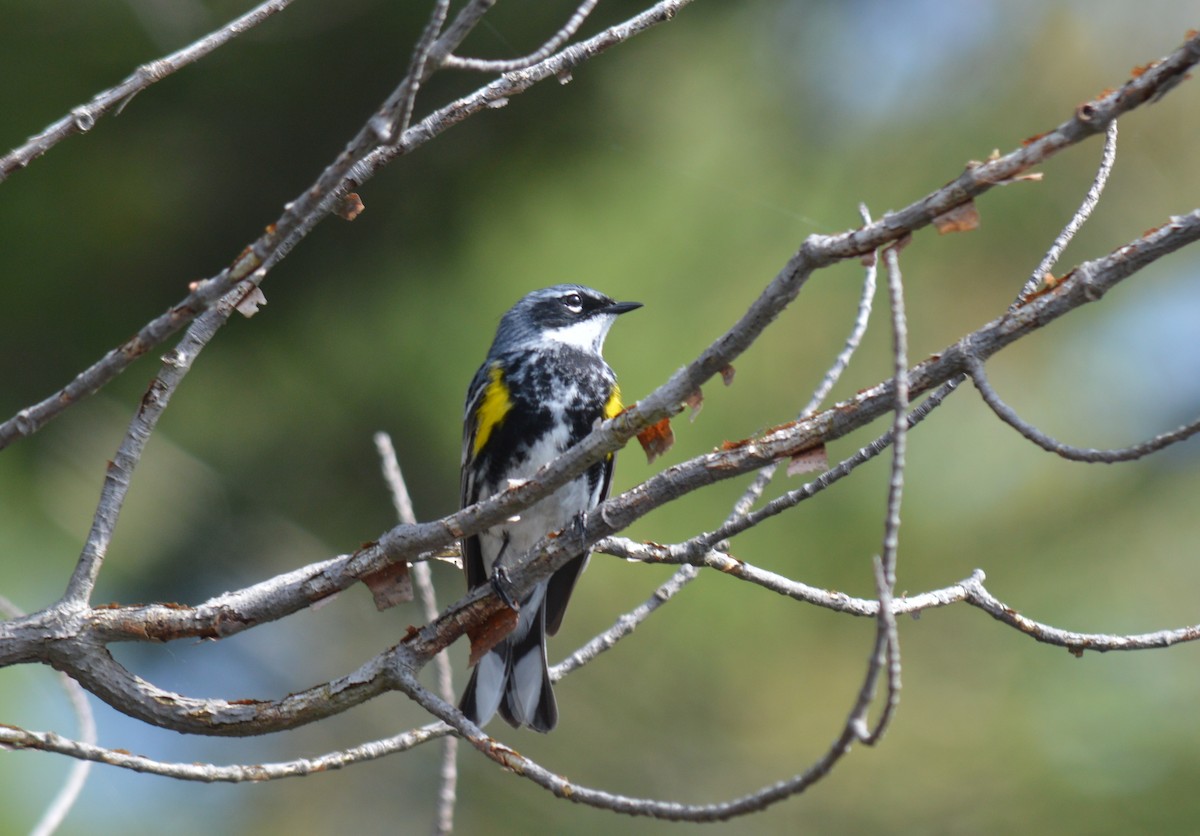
542, 388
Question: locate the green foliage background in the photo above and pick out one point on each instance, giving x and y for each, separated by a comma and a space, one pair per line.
681, 169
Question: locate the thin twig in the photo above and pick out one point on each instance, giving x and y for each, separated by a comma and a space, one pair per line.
83, 118
781, 503
17, 738
861, 320
175, 365
401, 500
402, 112
1076, 643
422, 578
819, 251
1107, 159
887, 640
551, 46
728, 566
627, 623
356, 164
60, 806
62, 803
1009, 416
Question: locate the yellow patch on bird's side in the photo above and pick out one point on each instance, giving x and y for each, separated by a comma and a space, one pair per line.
492, 409
613, 408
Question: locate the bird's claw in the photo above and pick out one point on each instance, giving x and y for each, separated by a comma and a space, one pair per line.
579, 527
503, 588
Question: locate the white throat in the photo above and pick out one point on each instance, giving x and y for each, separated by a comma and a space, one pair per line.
587, 335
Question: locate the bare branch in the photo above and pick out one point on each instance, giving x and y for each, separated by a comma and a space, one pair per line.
1086, 284
209, 773
832, 375
395, 480
541, 53
1076, 643
107, 679
861, 319
627, 623
887, 637
361, 159
733, 567
176, 364
56, 812
1107, 160
400, 109
1077, 454
83, 118
423, 581
900, 415
67, 795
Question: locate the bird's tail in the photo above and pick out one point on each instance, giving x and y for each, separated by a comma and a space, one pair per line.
513, 677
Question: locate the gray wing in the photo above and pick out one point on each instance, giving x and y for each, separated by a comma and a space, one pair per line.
562, 582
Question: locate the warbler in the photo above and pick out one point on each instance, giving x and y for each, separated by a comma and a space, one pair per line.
542, 388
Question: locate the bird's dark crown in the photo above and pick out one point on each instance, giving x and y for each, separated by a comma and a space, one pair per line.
541, 313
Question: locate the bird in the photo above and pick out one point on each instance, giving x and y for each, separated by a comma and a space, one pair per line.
541, 389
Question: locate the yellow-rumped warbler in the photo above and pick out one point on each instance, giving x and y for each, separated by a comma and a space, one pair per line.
542, 388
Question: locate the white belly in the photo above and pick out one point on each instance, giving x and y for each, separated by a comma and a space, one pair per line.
553, 513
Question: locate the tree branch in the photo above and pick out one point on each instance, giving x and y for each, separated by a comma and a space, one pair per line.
1107, 159
423, 582
361, 159
1077, 454
541, 53
24, 639
83, 118
73, 637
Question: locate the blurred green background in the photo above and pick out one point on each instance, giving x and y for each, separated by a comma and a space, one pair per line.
681, 169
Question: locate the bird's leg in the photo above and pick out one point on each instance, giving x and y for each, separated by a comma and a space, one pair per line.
578, 528
502, 586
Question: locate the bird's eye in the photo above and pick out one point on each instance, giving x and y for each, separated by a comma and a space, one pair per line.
573, 303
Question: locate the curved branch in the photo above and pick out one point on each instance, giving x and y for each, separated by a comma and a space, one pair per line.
68, 793
1108, 158
735, 568
1076, 454
23, 640
103, 676
27, 639
544, 51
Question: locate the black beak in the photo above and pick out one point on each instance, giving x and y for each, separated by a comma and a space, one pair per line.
622, 307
